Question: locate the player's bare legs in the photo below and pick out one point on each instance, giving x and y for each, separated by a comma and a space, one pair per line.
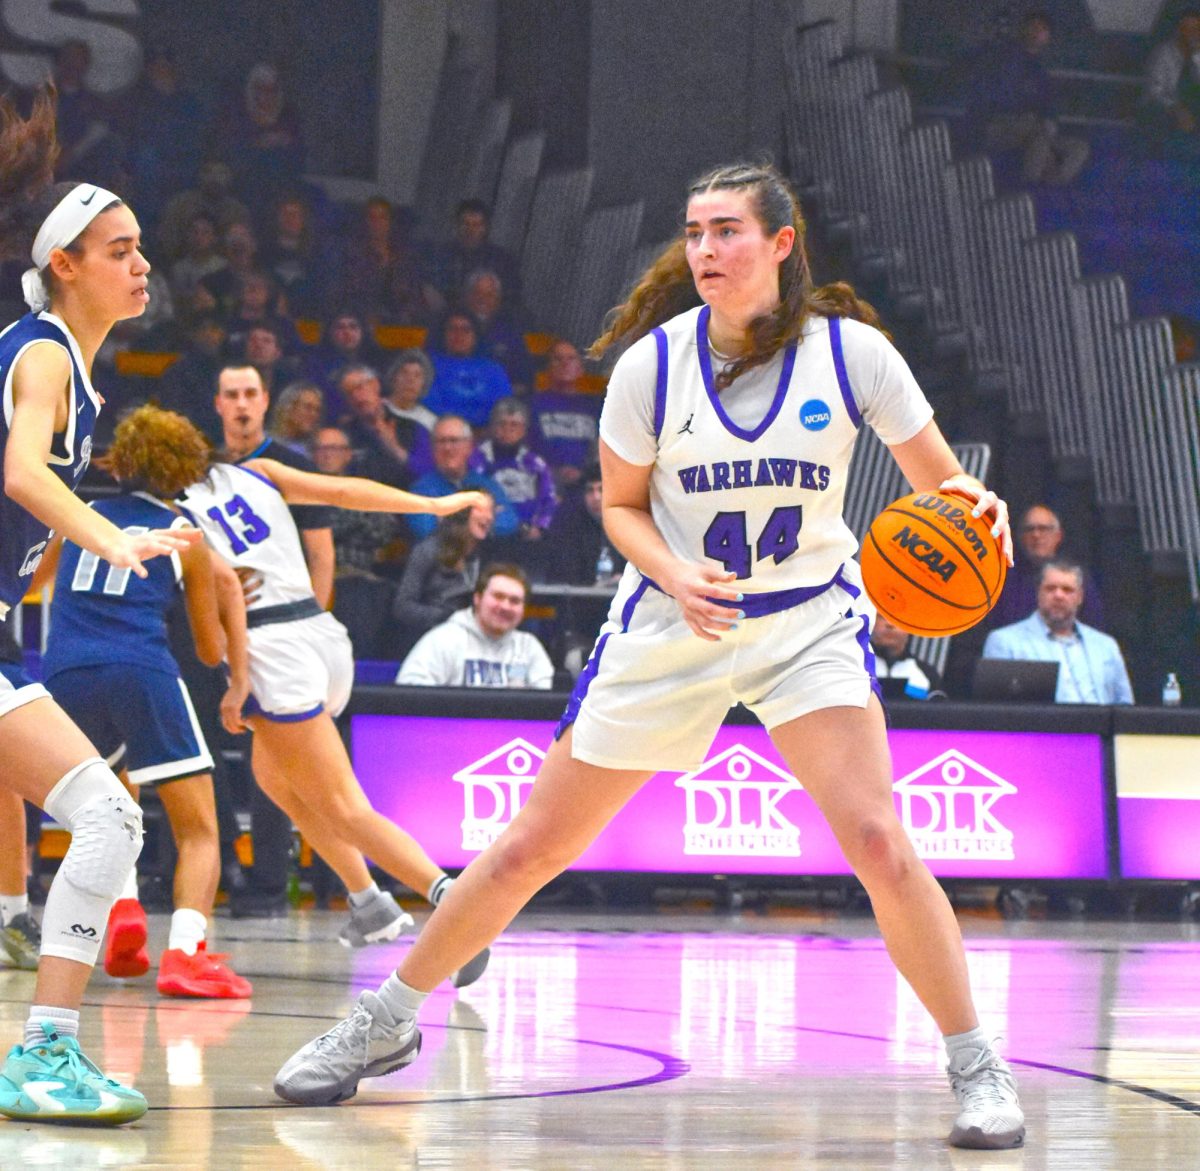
326, 801
567, 808
192, 812
840, 756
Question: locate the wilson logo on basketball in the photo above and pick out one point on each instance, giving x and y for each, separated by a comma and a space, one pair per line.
954, 516
921, 550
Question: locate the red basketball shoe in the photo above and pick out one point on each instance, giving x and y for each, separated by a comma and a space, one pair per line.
201, 975
125, 954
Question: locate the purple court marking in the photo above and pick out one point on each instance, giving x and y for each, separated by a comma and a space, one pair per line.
671, 1068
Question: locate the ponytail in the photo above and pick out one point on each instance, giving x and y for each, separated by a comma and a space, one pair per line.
28, 151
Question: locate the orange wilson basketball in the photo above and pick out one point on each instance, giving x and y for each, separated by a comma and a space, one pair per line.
929, 566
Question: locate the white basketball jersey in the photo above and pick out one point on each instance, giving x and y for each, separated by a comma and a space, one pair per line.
245, 518
762, 499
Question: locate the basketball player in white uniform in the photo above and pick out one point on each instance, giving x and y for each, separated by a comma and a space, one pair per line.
725, 443
301, 669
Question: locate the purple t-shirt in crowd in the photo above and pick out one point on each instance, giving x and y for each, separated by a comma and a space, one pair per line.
565, 426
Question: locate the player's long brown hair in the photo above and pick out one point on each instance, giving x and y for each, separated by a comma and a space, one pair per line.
666, 288
28, 194
157, 451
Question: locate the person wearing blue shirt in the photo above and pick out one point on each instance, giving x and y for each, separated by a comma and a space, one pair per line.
453, 444
464, 381
1091, 667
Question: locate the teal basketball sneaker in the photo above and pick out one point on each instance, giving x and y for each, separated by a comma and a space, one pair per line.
53, 1081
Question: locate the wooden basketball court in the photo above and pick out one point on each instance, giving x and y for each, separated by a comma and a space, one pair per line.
664, 1041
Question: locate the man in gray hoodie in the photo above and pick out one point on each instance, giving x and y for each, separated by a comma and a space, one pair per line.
481, 646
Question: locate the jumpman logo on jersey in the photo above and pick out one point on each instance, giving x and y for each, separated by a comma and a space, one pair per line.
686, 429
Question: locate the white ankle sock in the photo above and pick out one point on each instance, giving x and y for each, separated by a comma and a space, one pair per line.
360, 898
400, 1000
130, 889
438, 889
974, 1040
13, 905
64, 1020
188, 929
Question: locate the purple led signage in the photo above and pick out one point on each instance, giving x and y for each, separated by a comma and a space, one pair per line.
977, 804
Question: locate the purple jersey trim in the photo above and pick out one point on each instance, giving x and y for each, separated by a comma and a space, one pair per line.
839, 364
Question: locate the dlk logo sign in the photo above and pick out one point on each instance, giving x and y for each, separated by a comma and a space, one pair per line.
946, 806
733, 807
492, 790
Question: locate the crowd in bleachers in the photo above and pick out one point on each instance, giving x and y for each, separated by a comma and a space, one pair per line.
386, 349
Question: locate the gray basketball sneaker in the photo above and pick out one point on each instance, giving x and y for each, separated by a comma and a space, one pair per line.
471, 970
21, 939
380, 921
990, 1116
328, 1069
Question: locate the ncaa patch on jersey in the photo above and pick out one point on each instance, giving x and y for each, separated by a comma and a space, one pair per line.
815, 415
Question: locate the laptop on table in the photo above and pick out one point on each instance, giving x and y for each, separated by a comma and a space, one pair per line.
1015, 681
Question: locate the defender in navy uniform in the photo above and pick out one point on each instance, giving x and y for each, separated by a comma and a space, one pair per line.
109, 665
87, 274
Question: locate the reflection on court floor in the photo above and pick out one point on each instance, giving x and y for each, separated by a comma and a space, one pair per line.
659, 1042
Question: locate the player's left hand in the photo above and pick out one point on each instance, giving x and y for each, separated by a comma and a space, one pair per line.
232, 703
252, 583
983, 501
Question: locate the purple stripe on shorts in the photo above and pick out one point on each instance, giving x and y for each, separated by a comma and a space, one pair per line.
863, 638
580, 690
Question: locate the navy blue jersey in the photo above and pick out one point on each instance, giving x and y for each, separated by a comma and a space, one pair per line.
101, 614
23, 537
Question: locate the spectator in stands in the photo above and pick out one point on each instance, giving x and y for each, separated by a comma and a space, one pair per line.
263, 350
239, 247
1039, 539
382, 273
893, 661
577, 547
258, 301
362, 597
453, 444
441, 571
379, 454
212, 197
500, 335
464, 381
1170, 108
201, 259
566, 420
187, 386
292, 255
259, 136
1091, 667
481, 646
297, 416
90, 148
345, 343
1011, 98
162, 124
506, 457
407, 382
450, 263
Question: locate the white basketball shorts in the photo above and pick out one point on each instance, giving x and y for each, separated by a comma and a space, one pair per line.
299, 669
653, 694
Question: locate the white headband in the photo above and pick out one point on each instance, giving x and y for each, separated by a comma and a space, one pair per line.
61, 227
